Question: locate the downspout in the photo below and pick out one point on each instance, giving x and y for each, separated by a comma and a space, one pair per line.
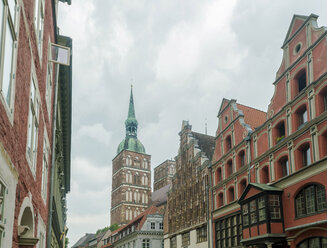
53, 155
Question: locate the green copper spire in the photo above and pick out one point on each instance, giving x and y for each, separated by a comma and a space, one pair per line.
131, 142
131, 122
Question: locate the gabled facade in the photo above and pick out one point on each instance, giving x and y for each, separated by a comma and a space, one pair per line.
274, 194
144, 231
131, 175
189, 199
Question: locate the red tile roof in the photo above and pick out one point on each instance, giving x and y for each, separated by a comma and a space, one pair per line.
253, 117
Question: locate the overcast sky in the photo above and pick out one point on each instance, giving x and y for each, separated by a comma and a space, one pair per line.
183, 58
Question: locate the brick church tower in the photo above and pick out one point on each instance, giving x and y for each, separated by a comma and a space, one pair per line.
131, 174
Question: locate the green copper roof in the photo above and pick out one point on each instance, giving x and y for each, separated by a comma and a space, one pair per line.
131, 142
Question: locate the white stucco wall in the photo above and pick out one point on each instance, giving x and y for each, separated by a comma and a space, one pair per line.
193, 243
9, 177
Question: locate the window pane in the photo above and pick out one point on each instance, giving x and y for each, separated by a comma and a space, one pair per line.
7, 73
321, 198
314, 243
300, 208
310, 199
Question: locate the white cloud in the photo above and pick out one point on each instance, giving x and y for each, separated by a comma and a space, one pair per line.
96, 132
184, 57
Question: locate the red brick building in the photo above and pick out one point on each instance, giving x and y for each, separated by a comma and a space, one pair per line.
163, 174
269, 168
131, 175
33, 91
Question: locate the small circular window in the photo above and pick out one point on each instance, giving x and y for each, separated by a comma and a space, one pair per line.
297, 48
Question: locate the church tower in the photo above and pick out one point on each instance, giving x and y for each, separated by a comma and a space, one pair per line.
131, 174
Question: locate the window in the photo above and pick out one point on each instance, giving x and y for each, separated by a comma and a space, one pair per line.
185, 239
306, 155
231, 194
310, 200
274, 207
201, 234
153, 225
314, 242
173, 243
220, 199
146, 243
161, 226
2, 202
218, 175
262, 208
301, 80
229, 232
253, 212
325, 102
242, 186
245, 214
39, 23
280, 132
228, 143
33, 119
284, 167
45, 167
241, 157
229, 168
265, 175
302, 116
8, 51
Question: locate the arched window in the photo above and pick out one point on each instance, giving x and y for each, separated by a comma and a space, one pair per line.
229, 167
301, 81
310, 200
218, 175
304, 155
145, 163
128, 160
301, 115
231, 194
322, 101
242, 186
323, 139
228, 143
265, 175
241, 159
280, 131
220, 199
313, 242
283, 168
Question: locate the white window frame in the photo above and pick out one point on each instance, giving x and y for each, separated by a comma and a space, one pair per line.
45, 167
9, 20
32, 132
39, 14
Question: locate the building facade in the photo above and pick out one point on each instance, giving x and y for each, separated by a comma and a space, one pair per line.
144, 231
131, 175
163, 174
269, 168
189, 199
31, 83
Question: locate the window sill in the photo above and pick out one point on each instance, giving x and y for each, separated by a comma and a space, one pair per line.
308, 215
